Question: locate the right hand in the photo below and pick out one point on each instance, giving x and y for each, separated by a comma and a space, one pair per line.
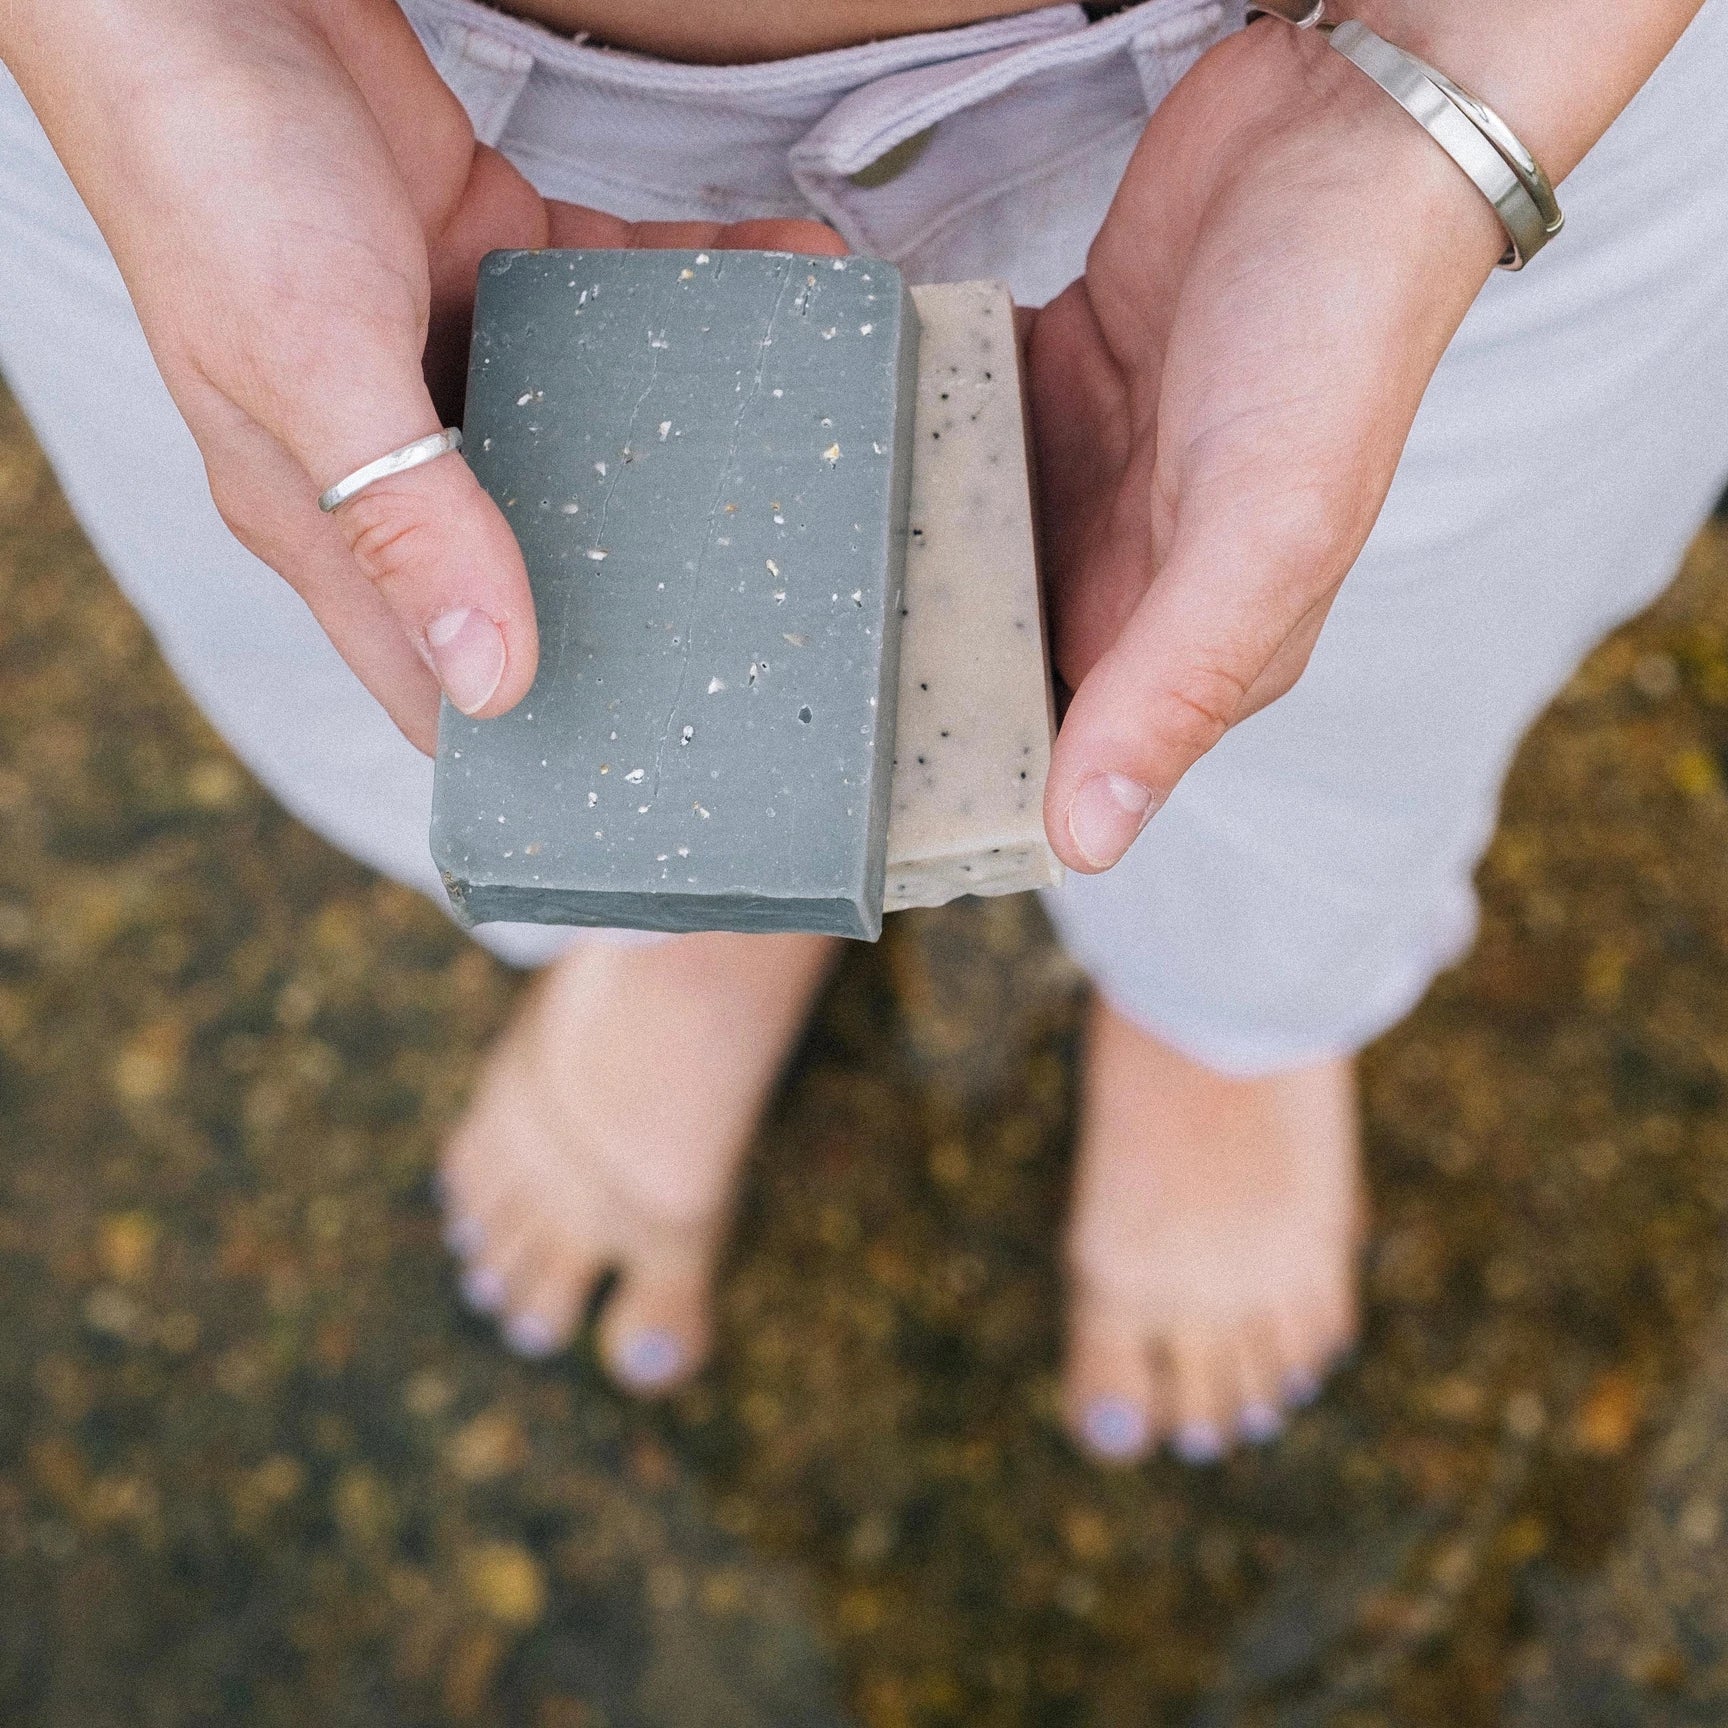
296, 201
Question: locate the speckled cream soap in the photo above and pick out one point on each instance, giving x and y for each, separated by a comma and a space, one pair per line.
706, 459
975, 721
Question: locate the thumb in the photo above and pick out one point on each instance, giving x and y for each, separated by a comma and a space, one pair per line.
441, 555
1225, 627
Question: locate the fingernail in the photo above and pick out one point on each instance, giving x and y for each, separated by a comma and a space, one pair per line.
1198, 1443
463, 1236
1300, 1388
528, 1335
647, 1359
467, 651
1114, 1428
482, 1289
1105, 815
1259, 1423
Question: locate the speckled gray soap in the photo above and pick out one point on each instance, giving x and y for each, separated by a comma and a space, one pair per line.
706, 459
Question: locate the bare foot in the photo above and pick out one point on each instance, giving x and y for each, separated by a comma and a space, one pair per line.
606, 1135
1211, 1250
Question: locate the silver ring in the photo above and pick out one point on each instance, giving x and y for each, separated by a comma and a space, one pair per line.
415, 455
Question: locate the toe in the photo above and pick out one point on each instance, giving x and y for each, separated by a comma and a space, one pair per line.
1259, 1379
1200, 1396
1308, 1340
494, 1272
1108, 1395
553, 1293
654, 1332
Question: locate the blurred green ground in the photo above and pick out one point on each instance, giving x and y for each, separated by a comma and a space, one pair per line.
256, 1467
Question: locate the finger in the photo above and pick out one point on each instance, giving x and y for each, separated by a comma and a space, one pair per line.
261, 489
577, 226
497, 209
1225, 628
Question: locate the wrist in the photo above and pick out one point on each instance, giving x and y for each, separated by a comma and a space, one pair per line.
1557, 71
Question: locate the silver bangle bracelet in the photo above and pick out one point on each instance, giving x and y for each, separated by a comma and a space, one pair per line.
1465, 127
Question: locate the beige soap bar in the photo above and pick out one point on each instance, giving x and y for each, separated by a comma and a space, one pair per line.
975, 719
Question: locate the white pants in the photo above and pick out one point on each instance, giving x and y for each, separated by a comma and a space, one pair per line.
1307, 879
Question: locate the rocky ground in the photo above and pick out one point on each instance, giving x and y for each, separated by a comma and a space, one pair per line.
257, 1467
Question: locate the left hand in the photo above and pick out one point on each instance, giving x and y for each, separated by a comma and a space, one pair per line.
1221, 402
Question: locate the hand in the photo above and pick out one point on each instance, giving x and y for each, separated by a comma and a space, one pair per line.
1222, 400
297, 204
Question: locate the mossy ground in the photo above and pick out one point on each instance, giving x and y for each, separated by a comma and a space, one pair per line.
257, 1467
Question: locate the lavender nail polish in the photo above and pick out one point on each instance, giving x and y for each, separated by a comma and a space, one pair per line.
1260, 1423
1115, 1428
648, 1359
482, 1289
1198, 1443
463, 1237
528, 1335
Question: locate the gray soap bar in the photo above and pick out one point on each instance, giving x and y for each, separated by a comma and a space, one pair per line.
706, 459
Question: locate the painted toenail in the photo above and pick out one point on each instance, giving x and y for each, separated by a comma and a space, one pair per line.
529, 1335
1114, 1428
1198, 1443
1259, 1423
1300, 1388
648, 1358
463, 1237
482, 1289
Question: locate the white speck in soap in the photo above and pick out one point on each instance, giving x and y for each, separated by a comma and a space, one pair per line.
661, 857
773, 568
865, 329
600, 469
716, 685
877, 447
840, 264
636, 776
665, 430
779, 520
701, 257
641, 809
779, 596
793, 637
830, 333
831, 455
704, 814
500, 820
525, 398
857, 596
605, 767
683, 851
570, 509
593, 799
485, 443
687, 734
599, 554
686, 275
779, 392
722, 539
